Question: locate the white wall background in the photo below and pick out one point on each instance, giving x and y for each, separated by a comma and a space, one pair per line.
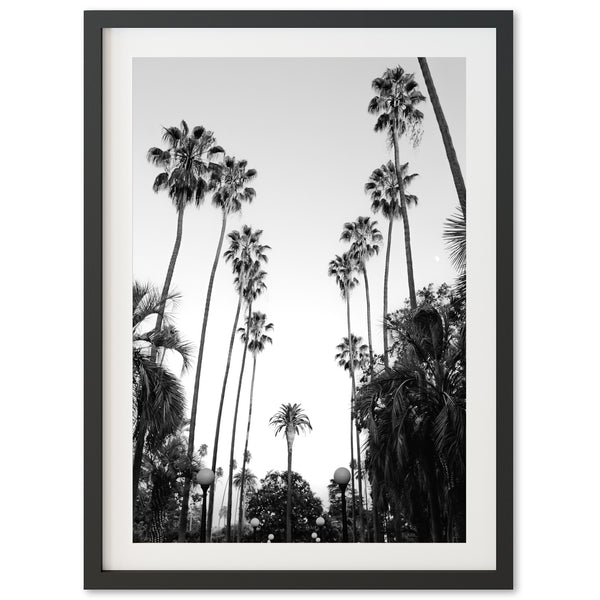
557, 214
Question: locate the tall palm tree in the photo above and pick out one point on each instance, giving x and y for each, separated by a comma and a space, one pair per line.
360, 354
255, 286
459, 182
291, 419
246, 254
258, 330
343, 269
364, 238
382, 188
187, 173
232, 191
158, 398
395, 105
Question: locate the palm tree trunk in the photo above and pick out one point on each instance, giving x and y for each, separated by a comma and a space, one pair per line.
386, 360
358, 461
459, 182
375, 507
368, 296
211, 502
352, 474
241, 515
137, 458
235, 415
192, 431
288, 506
409, 264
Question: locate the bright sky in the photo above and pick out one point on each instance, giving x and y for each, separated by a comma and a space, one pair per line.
303, 124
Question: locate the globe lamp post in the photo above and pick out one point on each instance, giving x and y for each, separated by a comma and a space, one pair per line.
342, 477
205, 478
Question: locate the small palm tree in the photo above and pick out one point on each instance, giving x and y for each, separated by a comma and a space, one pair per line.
158, 398
291, 419
232, 190
365, 239
382, 188
255, 286
258, 330
395, 104
343, 269
246, 254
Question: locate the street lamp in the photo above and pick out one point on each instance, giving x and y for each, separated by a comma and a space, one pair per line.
314, 535
255, 523
270, 537
320, 522
342, 477
205, 478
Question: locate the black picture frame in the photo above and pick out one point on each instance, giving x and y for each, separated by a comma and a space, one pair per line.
95, 577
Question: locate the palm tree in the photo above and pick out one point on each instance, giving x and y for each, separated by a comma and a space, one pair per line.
459, 182
396, 106
246, 254
382, 188
255, 286
364, 238
187, 172
360, 354
232, 190
158, 399
258, 330
243, 479
291, 419
343, 268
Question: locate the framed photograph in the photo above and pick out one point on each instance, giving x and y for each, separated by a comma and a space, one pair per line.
298, 348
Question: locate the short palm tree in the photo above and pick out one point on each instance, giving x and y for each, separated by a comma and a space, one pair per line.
343, 269
292, 420
187, 173
246, 254
258, 330
232, 190
255, 286
395, 104
243, 479
365, 239
158, 398
382, 188
459, 182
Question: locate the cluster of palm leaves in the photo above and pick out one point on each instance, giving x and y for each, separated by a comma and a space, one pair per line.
407, 410
192, 167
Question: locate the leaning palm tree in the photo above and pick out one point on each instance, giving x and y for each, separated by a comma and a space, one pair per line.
364, 238
397, 114
187, 173
255, 286
258, 330
232, 191
459, 182
343, 269
158, 398
291, 419
245, 253
382, 188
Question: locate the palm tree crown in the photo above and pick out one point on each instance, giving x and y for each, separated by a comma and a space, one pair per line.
383, 190
360, 354
188, 171
232, 188
258, 329
290, 418
246, 254
396, 103
343, 268
364, 238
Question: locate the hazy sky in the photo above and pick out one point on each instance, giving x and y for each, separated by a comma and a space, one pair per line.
303, 124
